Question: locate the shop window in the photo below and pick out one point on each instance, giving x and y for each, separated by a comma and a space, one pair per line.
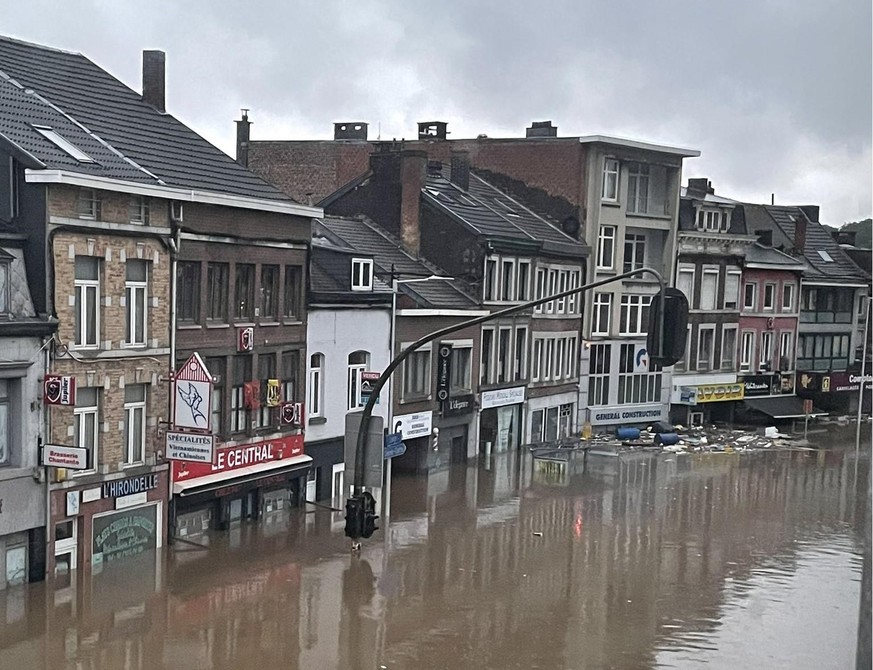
16, 565
599, 374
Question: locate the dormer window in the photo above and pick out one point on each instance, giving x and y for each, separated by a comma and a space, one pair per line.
362, 274
713, 220
63, 144
5, 261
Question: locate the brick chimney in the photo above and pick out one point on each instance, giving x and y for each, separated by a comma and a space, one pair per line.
243, 126
433, 130
350, 131
154, 79
413, 165
799, 234
460, 170
541, 129
699, 188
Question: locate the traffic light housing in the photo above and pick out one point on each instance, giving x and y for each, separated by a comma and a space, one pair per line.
668, 326
369, 517
354, 517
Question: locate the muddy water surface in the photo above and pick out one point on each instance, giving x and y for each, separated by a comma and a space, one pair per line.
715, 561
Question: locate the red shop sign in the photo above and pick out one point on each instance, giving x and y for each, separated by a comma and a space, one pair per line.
240, 456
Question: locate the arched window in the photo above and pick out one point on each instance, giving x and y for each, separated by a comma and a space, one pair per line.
316, 392
358, 362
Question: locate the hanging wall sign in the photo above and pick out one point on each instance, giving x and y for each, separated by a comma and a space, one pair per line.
245, 339
192, 395
59, 390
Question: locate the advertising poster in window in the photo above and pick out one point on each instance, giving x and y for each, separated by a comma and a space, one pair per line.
124, 534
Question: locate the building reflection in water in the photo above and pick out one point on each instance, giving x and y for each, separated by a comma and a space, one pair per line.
515, 563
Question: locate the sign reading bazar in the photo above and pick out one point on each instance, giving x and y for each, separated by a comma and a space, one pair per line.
228, 459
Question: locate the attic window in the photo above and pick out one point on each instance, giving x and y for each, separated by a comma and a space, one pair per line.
63, 144
825, 256
362, 274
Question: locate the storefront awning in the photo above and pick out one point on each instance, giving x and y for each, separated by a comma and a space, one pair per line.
784, 407
242, 475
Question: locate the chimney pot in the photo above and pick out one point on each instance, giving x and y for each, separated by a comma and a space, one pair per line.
356, 130
433, 130
541, 129
154, 79
243, 128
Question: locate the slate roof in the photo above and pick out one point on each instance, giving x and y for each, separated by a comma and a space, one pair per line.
127, 138
840, 268
487, 211
364, 237
759, 254
329, 271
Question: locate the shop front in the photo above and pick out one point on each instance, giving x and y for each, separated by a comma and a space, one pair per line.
770, 398
244, 481
500, 420
836, 392
96, 524
697, 404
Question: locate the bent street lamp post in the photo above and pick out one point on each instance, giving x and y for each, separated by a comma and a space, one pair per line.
395, 363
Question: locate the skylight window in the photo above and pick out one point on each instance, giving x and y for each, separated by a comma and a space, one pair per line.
825, 256
63, 144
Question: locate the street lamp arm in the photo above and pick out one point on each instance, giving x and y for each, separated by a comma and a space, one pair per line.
403, 355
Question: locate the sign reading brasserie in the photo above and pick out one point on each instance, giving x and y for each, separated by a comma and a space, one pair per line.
124, 534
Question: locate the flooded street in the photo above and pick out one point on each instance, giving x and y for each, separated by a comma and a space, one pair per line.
715, 560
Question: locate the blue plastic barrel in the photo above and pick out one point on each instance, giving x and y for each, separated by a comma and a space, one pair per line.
666, 438
627, 433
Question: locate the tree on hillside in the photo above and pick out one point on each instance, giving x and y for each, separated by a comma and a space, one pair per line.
864, 235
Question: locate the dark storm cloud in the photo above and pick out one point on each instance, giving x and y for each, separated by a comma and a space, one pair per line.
775, 93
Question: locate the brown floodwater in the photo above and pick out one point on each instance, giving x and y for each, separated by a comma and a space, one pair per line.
671, 561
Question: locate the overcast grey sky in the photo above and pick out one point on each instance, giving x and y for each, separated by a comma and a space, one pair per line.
776, 94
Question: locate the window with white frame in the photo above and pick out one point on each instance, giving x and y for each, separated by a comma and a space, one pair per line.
728, 347
316, 390
134, 423
606, 248
769, 296
552, 288
747, 351
787, 297
561, 303
462, 369
609, 190
536, 373
574, 300
705, 347
750, 296
87, 308
709, 289
598, 374
486, 364
4, 286
490, 280
507, 279
731, 289
416, 375
635, 385
786, 350
766, 350
358, 361
560, 368
548, 357
638, 188
554, 357
5, 437
86, 424
601, 313
136, 302
520, 352
138, 210
504, 354
522, 286
634, 314
362, 274
634, 251
685, 283
542, 288
712, 220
